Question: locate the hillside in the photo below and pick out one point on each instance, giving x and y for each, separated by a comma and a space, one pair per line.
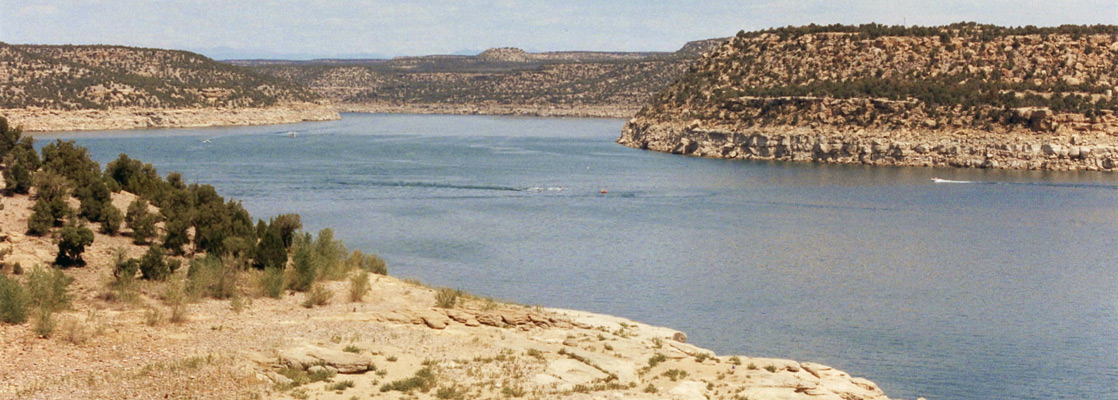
961, 95
497, 81
173, 293
66, 83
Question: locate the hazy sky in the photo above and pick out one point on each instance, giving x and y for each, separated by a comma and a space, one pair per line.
330, 28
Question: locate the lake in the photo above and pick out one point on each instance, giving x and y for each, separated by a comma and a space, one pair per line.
1001, 287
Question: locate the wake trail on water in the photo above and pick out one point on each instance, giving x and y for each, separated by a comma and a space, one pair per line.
1041, 184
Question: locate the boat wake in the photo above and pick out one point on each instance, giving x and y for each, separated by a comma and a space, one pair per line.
938, 180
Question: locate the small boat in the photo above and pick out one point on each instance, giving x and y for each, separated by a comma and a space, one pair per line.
207, 141
603, 191
291, 134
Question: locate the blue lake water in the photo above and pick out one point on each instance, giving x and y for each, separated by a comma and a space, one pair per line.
1004, 288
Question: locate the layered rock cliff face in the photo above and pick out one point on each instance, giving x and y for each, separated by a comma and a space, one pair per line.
963, 95
117, 87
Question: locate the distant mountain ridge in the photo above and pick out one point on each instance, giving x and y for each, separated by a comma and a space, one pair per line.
496, 81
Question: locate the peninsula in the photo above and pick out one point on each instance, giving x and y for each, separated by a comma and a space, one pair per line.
961, 95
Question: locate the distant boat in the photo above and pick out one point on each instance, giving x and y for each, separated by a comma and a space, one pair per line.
937, 180
291, 134
207, 141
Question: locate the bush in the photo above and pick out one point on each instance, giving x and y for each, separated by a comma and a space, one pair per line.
111, 218
49, 288
370, 262
423, 380
286, 225
140, 221
17, 179
358, 285
13, 301
71, 245
447, 297
143, 229
328, 254
153, 266
318, 295
40, 222
304, 271
49, 292
209, 277
271, 282
270, 251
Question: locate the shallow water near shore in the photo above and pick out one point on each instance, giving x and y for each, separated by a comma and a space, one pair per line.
994, 285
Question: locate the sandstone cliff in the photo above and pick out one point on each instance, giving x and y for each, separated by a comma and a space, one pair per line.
117, 87
963, 95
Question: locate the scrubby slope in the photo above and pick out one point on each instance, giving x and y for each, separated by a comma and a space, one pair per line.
1008, 91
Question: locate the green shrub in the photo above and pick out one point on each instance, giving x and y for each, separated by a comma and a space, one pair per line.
271, 282
675, 374
17, 179
340, 386
513, 391
13, 301
71, 244
126, 269
370, 262
286, 225
49, 293
51, 185
271, 253
40, 222
358, 285
318, 295
209, 276
450, 393
153, 266
140, 221
49, 288
447, 297
656, 360
304, 271
328, 254
111, 218
423, 381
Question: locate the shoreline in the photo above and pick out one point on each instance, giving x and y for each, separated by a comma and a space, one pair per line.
45, 121
526, 110
961, 148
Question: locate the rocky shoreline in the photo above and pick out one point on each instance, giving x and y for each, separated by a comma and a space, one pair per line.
528, 110
963, 148
41, 120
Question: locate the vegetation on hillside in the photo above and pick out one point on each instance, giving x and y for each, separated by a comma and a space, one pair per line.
216, 237
957, 75
498, 76
103, 77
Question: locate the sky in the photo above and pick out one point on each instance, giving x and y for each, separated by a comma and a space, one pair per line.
303, 29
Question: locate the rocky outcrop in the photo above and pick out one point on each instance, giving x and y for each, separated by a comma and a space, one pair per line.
962, 95
963, 148
39, 120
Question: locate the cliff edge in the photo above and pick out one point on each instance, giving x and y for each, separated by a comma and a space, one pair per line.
962, 95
